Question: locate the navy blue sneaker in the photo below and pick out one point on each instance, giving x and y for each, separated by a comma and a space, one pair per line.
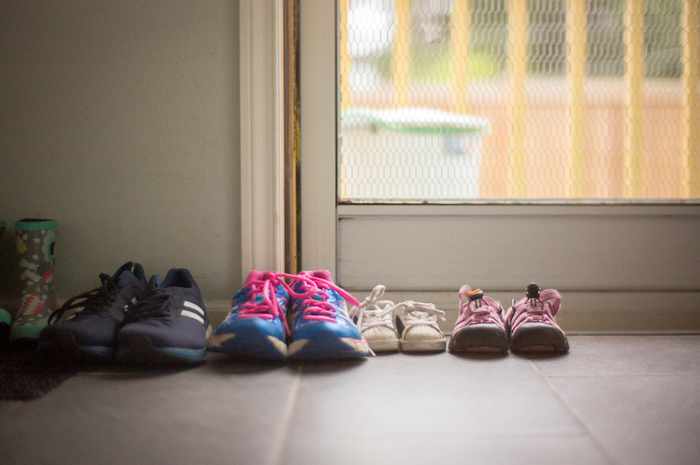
86, 326
169, 325
321, 326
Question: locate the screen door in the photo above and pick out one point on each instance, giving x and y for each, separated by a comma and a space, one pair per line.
499, 142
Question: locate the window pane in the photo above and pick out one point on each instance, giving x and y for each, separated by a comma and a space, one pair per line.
459, 100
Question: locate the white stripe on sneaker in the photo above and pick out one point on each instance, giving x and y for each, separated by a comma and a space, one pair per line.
194, 306
192, 315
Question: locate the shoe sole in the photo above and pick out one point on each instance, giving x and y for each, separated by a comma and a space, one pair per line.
259, 347
437, 345
479, 340
64, 345
383, 345
539, 339
139, 349
328, 348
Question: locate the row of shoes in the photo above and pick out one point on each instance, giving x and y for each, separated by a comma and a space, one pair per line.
280, 316
483, 326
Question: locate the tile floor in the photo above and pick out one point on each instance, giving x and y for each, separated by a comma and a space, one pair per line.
612, 400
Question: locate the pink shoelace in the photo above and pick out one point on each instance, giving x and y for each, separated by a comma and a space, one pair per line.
540, 309
476, 308
315, 306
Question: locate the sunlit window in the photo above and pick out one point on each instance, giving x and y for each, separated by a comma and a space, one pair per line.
463, 100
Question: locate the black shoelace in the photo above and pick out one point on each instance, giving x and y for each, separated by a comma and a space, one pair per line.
153, 305
95, 300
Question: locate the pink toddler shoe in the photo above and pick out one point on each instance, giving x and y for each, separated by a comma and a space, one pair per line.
480, 326
531, 322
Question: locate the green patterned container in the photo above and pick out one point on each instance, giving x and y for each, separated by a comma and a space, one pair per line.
5, 316
36, 239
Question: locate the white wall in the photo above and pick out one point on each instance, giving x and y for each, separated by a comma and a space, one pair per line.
120, 120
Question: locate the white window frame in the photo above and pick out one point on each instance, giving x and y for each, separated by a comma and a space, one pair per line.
318, 129
590, 306
261, 42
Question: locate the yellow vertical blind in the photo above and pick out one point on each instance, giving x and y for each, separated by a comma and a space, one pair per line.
634, 81
460, 23
691, 103
517, 42
577, 38
345, 91
401, 57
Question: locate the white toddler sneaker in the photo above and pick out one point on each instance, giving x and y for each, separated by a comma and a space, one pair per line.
418, 324
410, 326
375, 318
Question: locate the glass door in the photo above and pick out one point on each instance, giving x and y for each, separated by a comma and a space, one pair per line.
497, 142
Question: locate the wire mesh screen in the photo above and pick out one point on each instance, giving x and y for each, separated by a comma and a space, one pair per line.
461, 100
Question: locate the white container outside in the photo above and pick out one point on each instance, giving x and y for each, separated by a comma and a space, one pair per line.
412, 154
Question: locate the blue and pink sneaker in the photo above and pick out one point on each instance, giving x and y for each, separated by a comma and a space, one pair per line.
321, 328
256, 326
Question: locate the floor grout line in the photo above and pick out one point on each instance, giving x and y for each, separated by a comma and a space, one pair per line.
276, 456
576, 416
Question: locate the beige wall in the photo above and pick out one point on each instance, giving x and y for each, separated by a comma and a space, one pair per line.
120, 119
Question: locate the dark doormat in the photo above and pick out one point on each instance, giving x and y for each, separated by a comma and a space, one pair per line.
26, 375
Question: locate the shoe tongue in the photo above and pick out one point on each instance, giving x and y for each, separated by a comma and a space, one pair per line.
126, 266
124, 277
